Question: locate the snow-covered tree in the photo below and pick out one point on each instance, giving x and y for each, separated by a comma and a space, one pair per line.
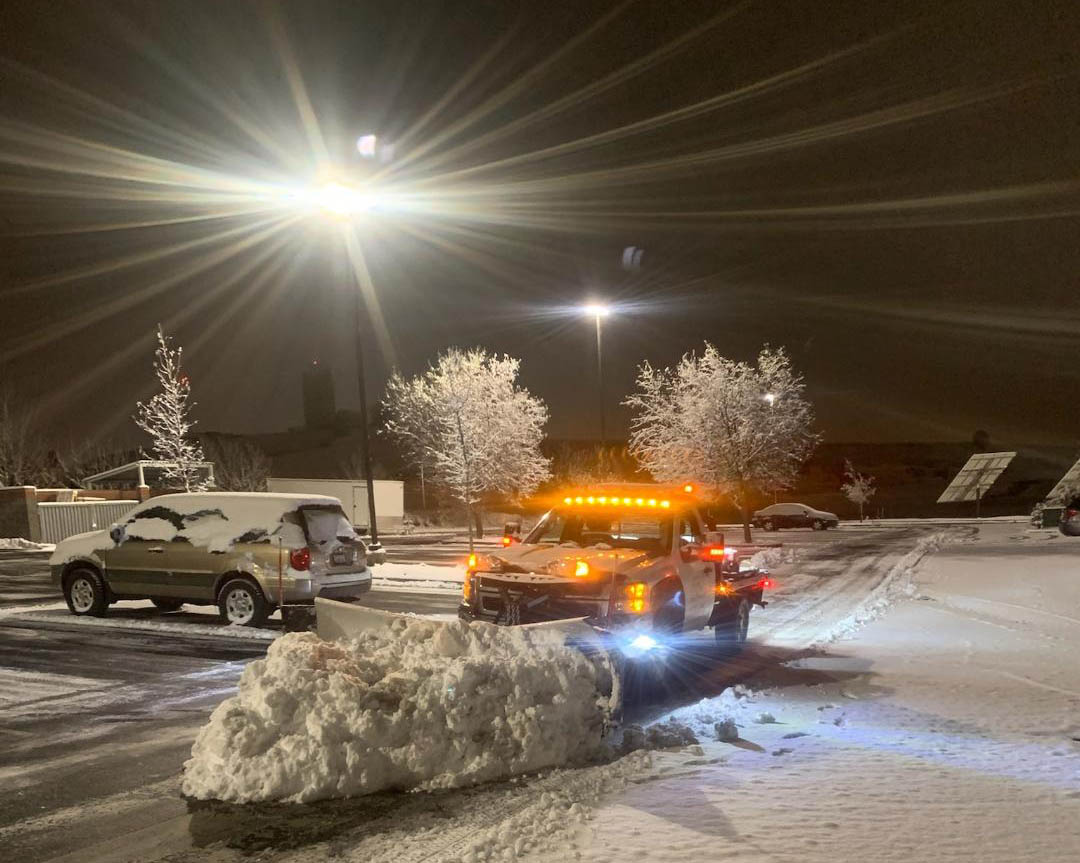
856, 487
470, 425
239, 465
734, 426
166, 419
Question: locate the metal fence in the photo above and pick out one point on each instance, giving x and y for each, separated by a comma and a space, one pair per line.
61, 520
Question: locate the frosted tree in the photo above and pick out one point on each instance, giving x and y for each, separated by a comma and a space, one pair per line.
166, 419
734, 426
856, 487
470, 425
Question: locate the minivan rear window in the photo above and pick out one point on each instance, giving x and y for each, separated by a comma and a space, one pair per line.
325, 524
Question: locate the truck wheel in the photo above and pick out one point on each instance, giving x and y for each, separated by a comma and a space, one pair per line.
84, 591
731, 634
241, 603
670, 608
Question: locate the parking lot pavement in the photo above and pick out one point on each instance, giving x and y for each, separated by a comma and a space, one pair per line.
24, 578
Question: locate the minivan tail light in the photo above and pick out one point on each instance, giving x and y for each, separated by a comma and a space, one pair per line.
300, 558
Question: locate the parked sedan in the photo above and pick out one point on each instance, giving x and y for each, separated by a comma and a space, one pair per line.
1070, 518
783, 515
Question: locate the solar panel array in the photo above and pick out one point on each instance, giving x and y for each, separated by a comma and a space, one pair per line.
1067, 483
975, 477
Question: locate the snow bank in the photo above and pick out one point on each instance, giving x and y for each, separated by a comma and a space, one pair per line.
17, 543
896, 583
424, 704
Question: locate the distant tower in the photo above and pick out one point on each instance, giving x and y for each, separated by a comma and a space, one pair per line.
319, 404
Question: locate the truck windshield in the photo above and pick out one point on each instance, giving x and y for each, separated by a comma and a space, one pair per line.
651, 534
327, 523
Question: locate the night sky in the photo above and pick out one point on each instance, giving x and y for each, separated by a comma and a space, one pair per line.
891, 190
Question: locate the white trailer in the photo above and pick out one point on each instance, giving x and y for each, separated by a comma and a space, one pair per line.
389, 497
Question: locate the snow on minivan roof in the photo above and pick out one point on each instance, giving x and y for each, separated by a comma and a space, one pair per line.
268, 496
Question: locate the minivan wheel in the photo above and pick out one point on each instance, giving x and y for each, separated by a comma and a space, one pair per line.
241, 603
84, 591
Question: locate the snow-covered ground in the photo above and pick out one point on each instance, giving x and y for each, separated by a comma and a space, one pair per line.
948, 729
418, 576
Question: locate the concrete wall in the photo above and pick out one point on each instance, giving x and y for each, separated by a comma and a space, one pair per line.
19, 513
389, 497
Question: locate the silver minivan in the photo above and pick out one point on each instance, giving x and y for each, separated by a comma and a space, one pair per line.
246, 553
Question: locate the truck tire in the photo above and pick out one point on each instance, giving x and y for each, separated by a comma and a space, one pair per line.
731, 633
669, 607
84, 592
241, 603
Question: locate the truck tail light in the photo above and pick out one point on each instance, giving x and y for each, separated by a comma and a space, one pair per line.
1070, 514
766, 583
724, 589
635, 597
300, 558
718, 553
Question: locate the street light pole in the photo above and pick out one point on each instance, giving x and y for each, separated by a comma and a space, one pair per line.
599, 311
600, 380
365, 447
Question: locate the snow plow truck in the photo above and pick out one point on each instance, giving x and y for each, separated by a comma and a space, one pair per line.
638, 559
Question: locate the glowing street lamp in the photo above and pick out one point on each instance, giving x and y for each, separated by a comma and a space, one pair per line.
365, 146
599, 311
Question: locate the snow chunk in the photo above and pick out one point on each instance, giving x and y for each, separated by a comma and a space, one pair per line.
726, 730
17, 543
423, 704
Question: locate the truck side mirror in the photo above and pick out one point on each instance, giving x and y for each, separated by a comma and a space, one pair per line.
116, 534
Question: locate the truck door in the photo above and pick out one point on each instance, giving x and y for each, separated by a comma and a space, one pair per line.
698, 577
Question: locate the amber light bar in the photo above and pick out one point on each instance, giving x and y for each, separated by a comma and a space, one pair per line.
615, 500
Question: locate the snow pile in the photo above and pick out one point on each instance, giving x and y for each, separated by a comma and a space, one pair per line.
423, 704
17, 543
771, 557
